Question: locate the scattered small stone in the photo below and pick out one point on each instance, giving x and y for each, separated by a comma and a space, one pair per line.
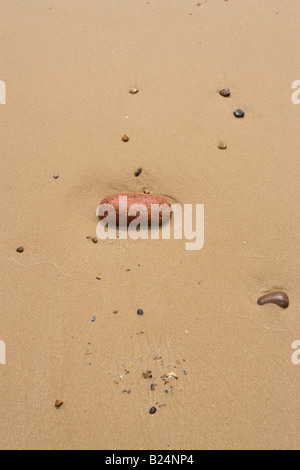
98, 278
93, 319
185, 372
56, 177
140, 312
138, 173
128, 270
152, 410
222, 147
225, 92
146, 191
58, 403
115, 312
279, 298
125, 138
20, 249
166, 390
95, 240
152, 387
172, 375
147, 374
134, 91
239, 113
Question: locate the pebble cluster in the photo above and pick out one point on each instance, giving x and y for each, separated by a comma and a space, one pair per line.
279, 298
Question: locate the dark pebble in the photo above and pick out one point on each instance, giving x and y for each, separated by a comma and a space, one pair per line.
125, 138
239, 113
95, 240
279, 298
55, 177
140, 312
20, 249
138, 173
152, 410
166, 391
152, 387
225, 92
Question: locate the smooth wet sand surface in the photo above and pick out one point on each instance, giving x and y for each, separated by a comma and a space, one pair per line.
68, 68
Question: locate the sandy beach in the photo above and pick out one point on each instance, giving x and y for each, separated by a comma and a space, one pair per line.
216, 366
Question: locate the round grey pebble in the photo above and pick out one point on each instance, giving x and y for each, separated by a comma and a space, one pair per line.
140, 312
152, 410
20, 249
239, 113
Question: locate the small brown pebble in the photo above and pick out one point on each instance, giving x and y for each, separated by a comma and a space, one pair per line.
222, 147
278, 298
225, 92
115, 312
58, 403
20, 249
146, 191
134, 91
95, 240
125, 138
147, 374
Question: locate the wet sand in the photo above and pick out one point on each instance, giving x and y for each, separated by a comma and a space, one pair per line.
68, 71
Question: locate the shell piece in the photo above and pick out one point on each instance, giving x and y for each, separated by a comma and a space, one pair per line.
172, 375
278, 298
126, 214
